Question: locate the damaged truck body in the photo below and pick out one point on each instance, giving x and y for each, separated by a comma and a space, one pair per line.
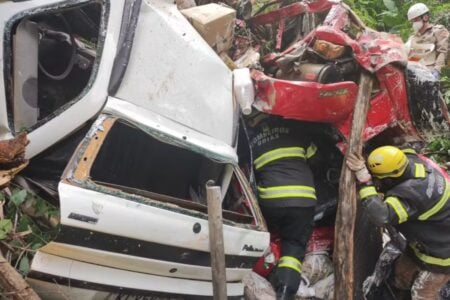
116, 84
130, 111
315, 78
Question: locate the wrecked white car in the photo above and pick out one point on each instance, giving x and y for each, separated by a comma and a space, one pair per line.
122, 88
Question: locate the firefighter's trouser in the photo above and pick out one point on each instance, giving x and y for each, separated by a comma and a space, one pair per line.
294, 224
424, 285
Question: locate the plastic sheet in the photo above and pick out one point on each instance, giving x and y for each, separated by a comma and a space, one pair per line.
317, 266
324, 289
257, 287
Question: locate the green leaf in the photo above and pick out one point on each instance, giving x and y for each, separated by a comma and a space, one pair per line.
389, 20
18, 196
16, 243
390, 4
6, 225
41, 208
36, 246
23, 223
5, 228
24, 265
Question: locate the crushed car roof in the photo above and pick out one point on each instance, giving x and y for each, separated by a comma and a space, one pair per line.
172, 71
172, 132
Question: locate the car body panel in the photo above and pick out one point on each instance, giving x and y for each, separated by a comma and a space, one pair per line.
183, 134
173, 72
88, 276
90, 102
140, 233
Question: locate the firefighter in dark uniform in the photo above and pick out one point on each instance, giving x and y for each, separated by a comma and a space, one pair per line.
416, 202
286, 192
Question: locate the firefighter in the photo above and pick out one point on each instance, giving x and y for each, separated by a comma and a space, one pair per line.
429, 43
416, 202
286, 192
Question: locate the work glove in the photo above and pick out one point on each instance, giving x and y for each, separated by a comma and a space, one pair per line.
436, 74
357, 164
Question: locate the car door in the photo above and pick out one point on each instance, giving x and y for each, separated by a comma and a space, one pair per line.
57, 61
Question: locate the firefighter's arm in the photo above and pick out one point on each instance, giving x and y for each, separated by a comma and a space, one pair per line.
390, 210
442, 40
377, 210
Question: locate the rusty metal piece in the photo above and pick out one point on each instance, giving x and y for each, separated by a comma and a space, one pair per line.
318, 73
280, 14
280, 30
291, 10
13, 151
85, 163
328, 50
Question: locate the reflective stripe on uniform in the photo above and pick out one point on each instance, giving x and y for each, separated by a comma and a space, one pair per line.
409, 151
367, 192
398, 208
270, 156
438, 206
444, 262
420, 171
287, 191
311, 150
290, 262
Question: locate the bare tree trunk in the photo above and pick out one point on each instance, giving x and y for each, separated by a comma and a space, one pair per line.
347, 208
13, 285
216, 244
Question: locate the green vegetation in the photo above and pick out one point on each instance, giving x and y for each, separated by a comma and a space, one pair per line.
28, 223
445, 85
390, 15
439, 150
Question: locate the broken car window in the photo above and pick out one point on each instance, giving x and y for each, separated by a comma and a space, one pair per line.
135, 162
52, 59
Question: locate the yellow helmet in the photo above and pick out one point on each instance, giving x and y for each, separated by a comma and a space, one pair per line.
387, 161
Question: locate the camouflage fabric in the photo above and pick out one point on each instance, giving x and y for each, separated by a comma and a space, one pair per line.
424, 285
431, 47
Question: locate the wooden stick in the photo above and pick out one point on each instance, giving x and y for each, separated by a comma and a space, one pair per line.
13, 284
344, 288
216, 245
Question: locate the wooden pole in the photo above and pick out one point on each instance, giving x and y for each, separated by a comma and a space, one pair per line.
13, 285
216, 245
346, 214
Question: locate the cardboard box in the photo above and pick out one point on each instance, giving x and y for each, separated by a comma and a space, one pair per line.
214, 22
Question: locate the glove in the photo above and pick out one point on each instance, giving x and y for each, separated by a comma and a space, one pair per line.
436, 74
356, 163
